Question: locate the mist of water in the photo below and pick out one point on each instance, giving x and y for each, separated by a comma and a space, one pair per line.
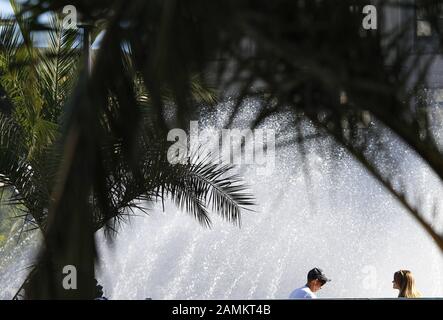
16, 257
340, 219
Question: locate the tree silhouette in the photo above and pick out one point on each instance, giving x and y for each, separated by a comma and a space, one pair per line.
37, 84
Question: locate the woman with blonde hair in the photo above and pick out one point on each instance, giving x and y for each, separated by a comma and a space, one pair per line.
405, 283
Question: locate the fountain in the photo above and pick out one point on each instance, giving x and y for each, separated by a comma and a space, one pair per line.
346, 224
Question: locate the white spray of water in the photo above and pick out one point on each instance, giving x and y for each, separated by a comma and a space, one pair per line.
347, 224
16, 256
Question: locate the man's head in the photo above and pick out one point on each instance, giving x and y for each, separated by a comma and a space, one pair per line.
316, 279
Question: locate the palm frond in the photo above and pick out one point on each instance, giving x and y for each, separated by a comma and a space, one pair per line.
57, 68
212, 187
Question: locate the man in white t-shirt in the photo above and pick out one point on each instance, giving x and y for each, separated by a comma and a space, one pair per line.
316, 279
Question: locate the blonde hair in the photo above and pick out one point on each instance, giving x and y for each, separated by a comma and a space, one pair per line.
406, 283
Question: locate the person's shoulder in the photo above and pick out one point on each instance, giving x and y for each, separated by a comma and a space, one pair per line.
298, 293
308, 294
294, 293
304, 293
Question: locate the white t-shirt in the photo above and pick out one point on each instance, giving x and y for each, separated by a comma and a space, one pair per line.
302, 293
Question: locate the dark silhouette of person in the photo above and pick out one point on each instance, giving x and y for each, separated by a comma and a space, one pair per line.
99, 291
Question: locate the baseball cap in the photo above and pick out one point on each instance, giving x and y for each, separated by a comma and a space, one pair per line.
317, 273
